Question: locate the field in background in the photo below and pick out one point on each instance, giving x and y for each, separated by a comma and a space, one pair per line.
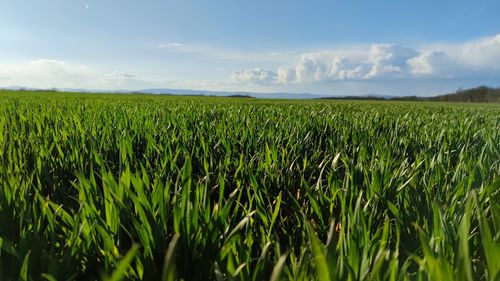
162, 188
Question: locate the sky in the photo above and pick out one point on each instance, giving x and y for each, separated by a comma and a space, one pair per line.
355, 47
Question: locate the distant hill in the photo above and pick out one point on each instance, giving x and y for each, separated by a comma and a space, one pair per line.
479, 94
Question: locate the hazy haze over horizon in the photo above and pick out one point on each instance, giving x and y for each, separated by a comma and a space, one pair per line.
323, 47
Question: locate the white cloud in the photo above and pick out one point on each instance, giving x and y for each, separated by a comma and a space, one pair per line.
370, 62
473, 58
49, 73
311, 69
120, 75
44, 73
201, 51
256, 76
375, 61
390, 54
115, 80
390, 61
54, 67
286, 75
170, 45
481, 54
435, 64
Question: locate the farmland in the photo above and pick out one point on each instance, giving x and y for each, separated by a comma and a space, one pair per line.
141, 187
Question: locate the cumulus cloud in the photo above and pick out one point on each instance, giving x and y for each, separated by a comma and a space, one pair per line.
387, 62
377, 61
286, 75
391, 54
256, 76
481, 54
434, 63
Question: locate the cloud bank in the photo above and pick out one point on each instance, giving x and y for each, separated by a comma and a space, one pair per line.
478, 58
357, 69
48, 73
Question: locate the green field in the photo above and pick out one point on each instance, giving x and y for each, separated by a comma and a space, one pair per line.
142, 187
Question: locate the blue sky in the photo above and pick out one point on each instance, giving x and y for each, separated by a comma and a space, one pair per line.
326, 47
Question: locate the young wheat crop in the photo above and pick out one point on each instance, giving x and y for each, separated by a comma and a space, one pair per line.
139, 187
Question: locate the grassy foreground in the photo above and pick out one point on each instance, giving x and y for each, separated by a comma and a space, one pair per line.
123, 187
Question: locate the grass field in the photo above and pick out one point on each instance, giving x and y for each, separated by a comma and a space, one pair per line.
130, 187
